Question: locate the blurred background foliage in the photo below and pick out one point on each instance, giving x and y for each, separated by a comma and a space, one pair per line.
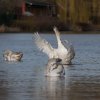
77, 15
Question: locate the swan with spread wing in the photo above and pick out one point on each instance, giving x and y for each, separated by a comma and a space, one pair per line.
64, 51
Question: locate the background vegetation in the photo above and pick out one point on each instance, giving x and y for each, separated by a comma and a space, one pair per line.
77, 15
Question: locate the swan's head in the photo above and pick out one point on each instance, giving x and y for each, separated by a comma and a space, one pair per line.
18, 56
55, 67
54, 63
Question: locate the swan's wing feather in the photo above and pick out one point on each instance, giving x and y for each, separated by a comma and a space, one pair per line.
68, 45
42, 44
70, 48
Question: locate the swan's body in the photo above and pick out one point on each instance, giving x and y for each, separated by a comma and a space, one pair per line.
12, 56
65, 51
55, 68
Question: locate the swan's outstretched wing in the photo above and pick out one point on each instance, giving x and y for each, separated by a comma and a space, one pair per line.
42, 44
70, 48
57, 33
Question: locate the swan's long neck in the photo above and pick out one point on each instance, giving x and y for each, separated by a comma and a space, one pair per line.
58, 37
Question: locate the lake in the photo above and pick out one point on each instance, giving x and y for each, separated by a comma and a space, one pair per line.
25, 80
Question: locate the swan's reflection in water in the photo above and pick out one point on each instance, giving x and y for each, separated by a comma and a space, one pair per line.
55, 88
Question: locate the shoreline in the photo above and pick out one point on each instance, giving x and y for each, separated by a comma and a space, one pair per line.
51, 32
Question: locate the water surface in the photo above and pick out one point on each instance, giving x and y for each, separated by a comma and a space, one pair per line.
25, 80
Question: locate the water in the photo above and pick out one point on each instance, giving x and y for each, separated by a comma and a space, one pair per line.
25, 80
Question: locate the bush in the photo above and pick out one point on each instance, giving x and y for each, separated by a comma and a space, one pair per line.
6, 18
30, 24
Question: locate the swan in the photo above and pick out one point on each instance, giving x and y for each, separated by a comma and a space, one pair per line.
55, 68
64, 51
12, 56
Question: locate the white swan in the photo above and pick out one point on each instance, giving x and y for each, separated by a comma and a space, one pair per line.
12, 56
65, 50
55, 68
